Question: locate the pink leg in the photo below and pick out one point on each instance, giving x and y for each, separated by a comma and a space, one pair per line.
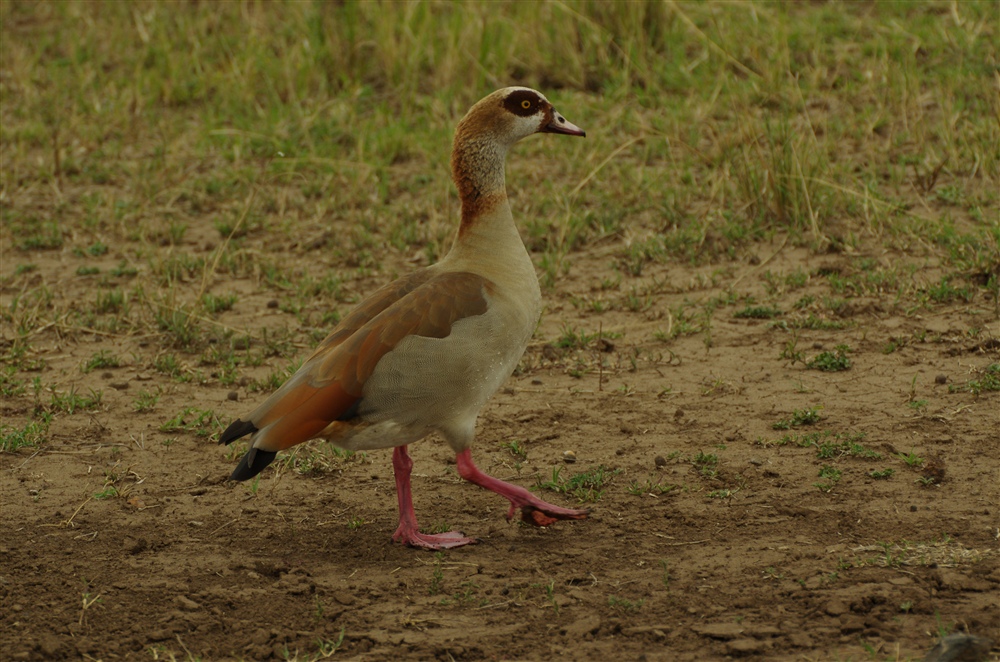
533, 510
408, 533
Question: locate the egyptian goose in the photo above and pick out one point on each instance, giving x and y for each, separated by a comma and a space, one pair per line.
425, 352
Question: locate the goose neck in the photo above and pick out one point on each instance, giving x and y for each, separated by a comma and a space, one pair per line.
477, 168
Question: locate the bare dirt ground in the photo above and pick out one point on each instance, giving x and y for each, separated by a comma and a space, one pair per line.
715, 536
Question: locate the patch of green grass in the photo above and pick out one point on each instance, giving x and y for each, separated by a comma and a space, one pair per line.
110, 302
834, 361
203, 422
34, 235
945, 292
123, 270
840, 447
108, 492
624, 605
707, 464
180, 326
828, 444
70, 401
31, 435
587, 486
882, 474
167, 364
102, 359
832, 476
145, 401
799, 418
309, 459
989, 380
572, 338
515, 448
437, 575
216, 304
757, 312
97, 248
10, 385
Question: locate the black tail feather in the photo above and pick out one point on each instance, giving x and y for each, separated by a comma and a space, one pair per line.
236, 430
252, 464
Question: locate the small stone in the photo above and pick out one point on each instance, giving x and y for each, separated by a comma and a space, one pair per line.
196, 523
273, 303
119, 386
800, 640
233, 395
835, 608
135, 546
344, 598
107, 374
583, 626
569, 457
941, 379
660, 461
913, 509
50, 646
186, 603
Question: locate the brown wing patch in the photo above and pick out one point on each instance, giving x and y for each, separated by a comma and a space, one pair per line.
429, 311
331, 381
372, 305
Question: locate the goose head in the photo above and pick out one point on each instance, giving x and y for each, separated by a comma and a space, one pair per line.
483, 138
513, 113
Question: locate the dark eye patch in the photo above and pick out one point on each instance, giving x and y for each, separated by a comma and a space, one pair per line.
515, 103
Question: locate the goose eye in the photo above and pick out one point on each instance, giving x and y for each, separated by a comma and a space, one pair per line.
525, 104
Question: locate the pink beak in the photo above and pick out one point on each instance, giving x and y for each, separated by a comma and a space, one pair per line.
560, 124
